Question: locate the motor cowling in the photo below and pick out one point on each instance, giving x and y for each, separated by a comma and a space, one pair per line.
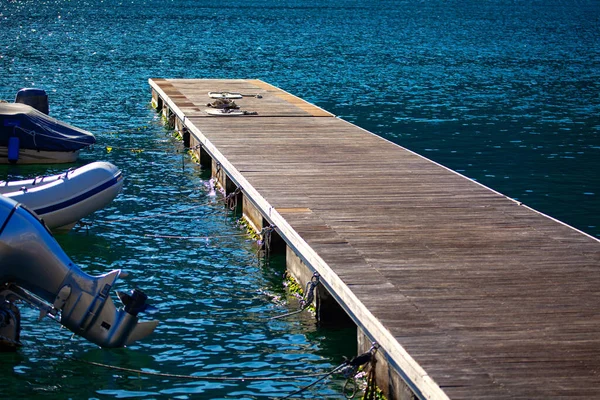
36, 98
31, 259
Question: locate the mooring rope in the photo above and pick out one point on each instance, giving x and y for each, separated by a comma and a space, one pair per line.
351, 373
127, 131
231, 200
135, 371
371, 389
108, 148
114, 221
264, 242
87, 225
162, 214
194, 237
135, 150
309, 296
353, 364
315, 382
169, 149
203, 378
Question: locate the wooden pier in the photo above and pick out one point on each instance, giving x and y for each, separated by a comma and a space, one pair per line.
470, 294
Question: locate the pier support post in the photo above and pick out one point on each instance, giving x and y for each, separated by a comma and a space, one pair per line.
157, 101
178, 124
204, 157
252, 215
185, 134
169, 116
183, 131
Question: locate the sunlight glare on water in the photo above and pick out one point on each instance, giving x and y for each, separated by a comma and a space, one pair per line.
503, 92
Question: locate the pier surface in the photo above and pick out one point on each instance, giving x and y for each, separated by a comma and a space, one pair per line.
469, 293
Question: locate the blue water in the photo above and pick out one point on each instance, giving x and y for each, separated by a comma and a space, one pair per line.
505, 92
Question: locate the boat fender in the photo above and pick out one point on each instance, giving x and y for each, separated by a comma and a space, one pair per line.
13, 149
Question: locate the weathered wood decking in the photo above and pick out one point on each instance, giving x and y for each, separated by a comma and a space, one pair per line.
470, 294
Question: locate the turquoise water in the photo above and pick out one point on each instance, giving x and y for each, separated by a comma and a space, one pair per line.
213, 293
505, 92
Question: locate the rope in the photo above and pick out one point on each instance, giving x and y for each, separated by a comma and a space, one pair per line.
231, 200
315, 382
265, 242
371, 389
79, 225
351, 372
112, 221
107, 148
134, 150
197, 377
127, 131
356, 362
232, 204
227, 201
140, 150
310, 290
34, 134
194, 237
134, 371
202, 378
309, 296
350, 383
223, 104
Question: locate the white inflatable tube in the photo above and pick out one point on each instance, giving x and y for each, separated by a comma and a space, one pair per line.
62, 200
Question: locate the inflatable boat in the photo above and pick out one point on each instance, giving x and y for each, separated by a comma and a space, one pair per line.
29, 136
62, 200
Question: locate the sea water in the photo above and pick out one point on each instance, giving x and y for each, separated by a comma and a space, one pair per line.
504, 92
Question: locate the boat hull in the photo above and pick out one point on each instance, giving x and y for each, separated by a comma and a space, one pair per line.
62, 200
31, 156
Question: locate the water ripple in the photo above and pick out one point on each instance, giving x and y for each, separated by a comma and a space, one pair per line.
504, 93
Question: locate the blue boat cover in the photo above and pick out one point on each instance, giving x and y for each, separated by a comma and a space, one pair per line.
38, 131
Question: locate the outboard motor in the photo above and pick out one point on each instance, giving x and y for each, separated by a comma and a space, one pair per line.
36, 98
34, 268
